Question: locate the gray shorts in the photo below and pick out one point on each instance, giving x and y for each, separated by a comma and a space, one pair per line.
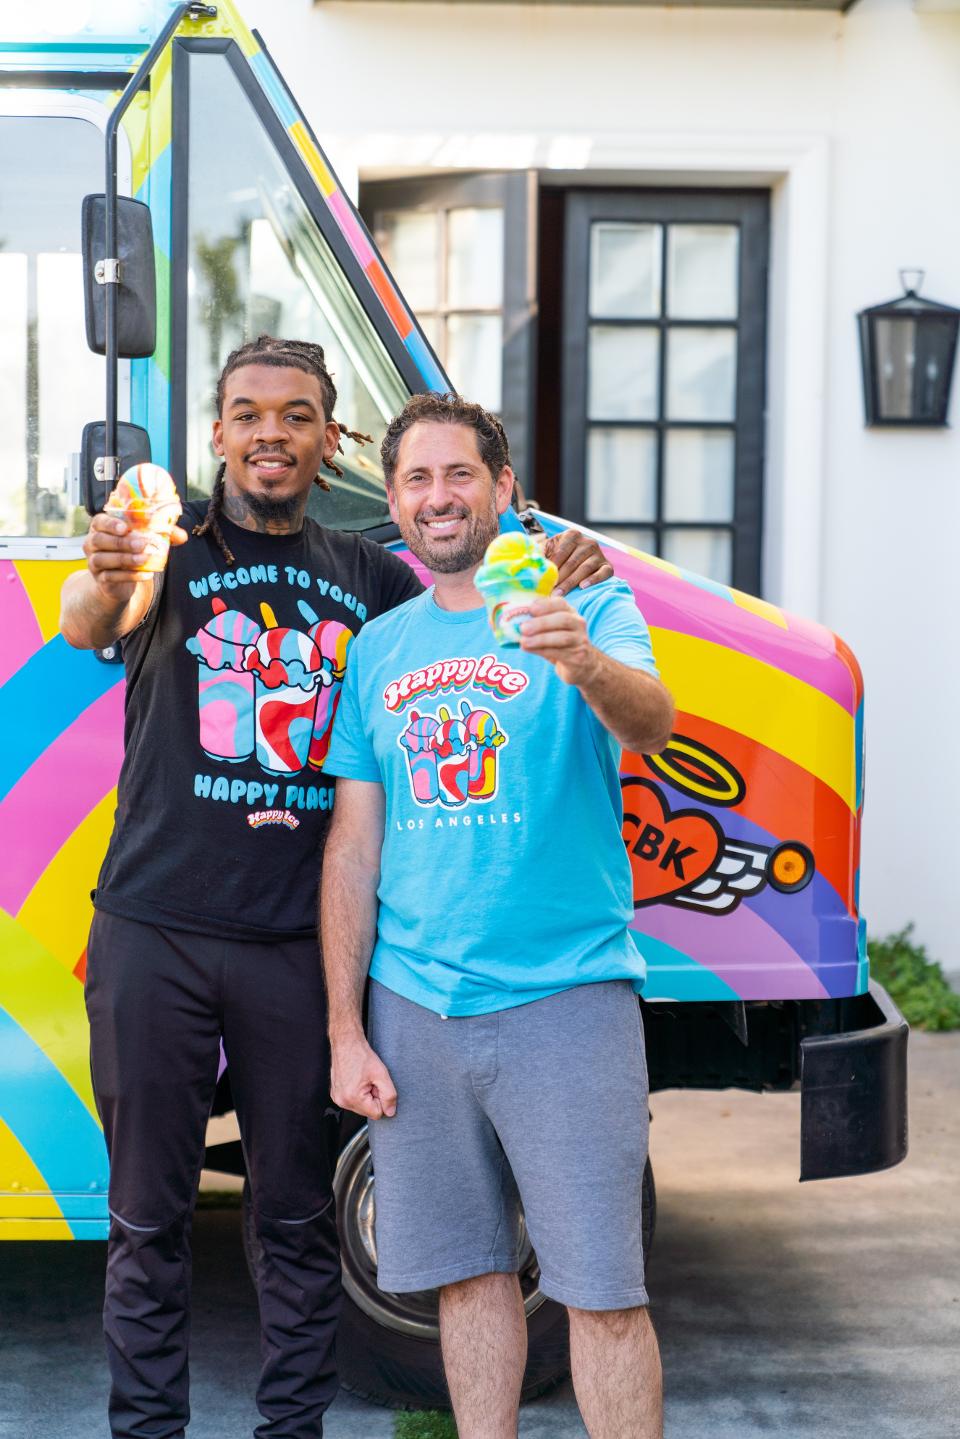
544, 1104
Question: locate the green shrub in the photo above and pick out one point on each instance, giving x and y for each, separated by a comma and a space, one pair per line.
425, 1424
914, 982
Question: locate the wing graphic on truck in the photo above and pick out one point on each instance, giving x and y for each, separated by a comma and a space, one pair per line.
683, 857
740, 871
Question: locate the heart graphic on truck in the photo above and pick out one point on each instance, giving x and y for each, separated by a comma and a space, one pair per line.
669, 850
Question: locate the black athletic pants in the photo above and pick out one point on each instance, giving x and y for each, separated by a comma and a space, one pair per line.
158, 1002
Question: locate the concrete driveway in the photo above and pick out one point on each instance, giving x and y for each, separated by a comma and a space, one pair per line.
828, 1309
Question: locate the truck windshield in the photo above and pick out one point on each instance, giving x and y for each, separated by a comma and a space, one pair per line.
258, 263
50, 383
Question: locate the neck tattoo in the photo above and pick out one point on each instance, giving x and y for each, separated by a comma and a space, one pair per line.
266, 517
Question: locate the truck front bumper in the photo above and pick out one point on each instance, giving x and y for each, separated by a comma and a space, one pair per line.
853, 1093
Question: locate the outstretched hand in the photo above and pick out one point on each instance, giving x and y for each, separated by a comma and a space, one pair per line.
581, 562
557, 633
114, 551
360, 1081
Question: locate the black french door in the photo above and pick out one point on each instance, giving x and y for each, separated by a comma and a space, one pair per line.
664, 358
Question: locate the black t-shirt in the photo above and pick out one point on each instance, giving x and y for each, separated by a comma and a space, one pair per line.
232, 684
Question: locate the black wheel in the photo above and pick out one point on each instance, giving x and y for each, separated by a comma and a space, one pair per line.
388, 1345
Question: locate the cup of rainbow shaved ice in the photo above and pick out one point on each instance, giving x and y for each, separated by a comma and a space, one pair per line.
514, 572
288, 672
146, 499
226, 687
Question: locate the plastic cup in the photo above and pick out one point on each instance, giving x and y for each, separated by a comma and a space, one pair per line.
284, 726
155, 524
453, 779
225, 685
226, 703
288, 670
507, 608
417, 742
453, 751
514, 573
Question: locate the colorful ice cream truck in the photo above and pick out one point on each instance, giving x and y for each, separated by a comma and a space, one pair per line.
743, 834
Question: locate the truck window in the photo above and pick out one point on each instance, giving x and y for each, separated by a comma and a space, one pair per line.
257, 262
50, 383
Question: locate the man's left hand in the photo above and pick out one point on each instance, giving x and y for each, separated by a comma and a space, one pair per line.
581, 562
557, 633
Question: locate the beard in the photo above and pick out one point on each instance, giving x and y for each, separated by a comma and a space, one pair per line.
451, 556
274, 512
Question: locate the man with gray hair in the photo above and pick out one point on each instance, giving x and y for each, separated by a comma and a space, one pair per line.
475, 868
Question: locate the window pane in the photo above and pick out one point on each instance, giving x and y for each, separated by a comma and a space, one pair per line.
702, 272
624, 373
64, 408
433, 329
621, 475
255, 255
475, 357
625, 271
701, 374
706, 552
475, 259
911, 367
896, 358
698, 475
633, 535
411, 244
50, 382
13, 391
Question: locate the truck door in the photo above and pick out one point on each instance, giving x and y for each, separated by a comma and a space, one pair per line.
60, 712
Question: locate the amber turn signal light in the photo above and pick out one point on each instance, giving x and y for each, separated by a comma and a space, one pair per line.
789, 867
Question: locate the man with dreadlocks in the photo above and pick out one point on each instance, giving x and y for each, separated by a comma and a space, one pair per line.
205, 923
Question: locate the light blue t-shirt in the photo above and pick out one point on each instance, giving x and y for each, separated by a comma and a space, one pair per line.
504, 877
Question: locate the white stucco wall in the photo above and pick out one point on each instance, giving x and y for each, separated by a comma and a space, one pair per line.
854, 121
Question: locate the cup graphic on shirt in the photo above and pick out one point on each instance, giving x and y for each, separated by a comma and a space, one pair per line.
288, 672
333, 640
417, 740
485, 737
452, 746
225, 686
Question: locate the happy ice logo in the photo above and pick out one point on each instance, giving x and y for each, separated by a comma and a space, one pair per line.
271, 690
449, 760
465, 672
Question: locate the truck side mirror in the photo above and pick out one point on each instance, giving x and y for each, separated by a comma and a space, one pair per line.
136, 282
133, 448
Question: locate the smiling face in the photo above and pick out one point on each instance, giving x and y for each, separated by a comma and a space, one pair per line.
273, 434
444, 497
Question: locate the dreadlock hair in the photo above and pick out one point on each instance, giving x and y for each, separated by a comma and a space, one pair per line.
448, 409
283, 354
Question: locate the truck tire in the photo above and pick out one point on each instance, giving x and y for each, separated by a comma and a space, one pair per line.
388, 1345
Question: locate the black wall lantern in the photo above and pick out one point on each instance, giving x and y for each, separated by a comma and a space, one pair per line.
907, 348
